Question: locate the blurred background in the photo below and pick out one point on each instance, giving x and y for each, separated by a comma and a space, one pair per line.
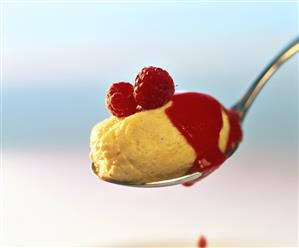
59, 59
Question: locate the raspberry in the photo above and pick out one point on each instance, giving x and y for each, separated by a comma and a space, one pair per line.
153, 87
120, 99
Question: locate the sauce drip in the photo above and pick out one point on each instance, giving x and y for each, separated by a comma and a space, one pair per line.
202, 242
198, 118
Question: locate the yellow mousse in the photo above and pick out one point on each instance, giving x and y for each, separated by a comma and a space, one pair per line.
144, 147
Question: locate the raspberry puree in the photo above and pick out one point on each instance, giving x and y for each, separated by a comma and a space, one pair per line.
198, 117
202, 242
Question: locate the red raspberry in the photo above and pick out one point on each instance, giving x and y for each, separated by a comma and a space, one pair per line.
153, 87
120, 99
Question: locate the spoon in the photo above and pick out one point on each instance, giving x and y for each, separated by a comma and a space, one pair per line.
241, 107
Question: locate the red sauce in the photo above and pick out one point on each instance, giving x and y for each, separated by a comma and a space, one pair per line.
235, 135
198, 117
202, 242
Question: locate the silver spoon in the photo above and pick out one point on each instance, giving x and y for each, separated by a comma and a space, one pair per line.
241, 106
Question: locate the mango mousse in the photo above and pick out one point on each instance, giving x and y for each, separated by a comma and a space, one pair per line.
156, 135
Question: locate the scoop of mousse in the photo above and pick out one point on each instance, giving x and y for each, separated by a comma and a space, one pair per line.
144, 141
140, 148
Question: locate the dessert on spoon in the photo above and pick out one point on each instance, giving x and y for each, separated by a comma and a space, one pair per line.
157, 137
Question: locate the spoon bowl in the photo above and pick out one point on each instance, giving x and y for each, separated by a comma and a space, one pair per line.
242, 107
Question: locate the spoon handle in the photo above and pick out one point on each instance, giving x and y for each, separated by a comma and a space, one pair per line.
245, 102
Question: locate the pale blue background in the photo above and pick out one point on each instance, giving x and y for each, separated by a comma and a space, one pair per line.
59, 60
